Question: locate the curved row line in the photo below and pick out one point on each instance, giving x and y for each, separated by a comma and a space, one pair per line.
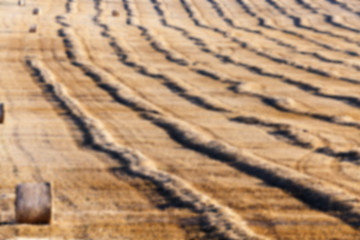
271, 173
217, 149
344, 6
339, 155
223, 222
177, 86
328, 18
295, 137
298, 22
269, 100
219, 218
245, 45
314, 90
325, 46
227, 59
230, 22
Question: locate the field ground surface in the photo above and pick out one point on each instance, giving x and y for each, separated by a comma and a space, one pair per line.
183, 119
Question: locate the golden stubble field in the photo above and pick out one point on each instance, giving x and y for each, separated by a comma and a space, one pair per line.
183, 119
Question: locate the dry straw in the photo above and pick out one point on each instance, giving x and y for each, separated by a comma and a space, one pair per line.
33, 28
36, 11
115, 13
2, 113
33, 203
21, 2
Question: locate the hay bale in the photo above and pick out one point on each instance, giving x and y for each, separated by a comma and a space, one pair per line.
21, 2
33, 28
115, 13
2, 113
36, 11
33, 203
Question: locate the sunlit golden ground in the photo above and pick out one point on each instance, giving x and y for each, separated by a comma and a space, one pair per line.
183, 119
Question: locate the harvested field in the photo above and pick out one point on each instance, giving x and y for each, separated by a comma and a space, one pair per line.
182, 119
